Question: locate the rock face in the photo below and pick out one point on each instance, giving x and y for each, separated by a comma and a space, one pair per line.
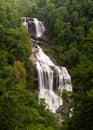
32, 28
33, 55
63, 109
35, 28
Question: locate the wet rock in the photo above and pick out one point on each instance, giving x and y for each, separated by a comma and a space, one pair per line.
33, 55
63, 109
34, 27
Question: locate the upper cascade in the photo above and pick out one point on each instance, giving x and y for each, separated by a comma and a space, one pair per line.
39, 27
35, 28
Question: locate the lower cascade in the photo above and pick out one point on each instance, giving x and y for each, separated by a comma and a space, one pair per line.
52, 78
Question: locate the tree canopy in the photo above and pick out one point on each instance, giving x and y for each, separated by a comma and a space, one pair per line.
69, 24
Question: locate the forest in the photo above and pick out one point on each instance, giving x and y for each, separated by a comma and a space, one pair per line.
69, 25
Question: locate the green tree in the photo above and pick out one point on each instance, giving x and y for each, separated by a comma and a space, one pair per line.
82, 99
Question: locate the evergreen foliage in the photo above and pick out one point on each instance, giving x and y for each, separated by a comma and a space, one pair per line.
70, 27
19, 108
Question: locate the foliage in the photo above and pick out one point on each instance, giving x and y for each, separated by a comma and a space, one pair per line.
70, 26
19, 108
70, 29
82, 99
20, 73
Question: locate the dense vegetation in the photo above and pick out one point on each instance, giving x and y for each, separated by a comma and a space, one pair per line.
70, 27
19, 108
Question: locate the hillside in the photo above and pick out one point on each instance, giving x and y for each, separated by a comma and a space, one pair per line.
69, 25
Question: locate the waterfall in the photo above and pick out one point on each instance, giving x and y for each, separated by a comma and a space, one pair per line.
34, 26
52, 78
25, 23
39, 27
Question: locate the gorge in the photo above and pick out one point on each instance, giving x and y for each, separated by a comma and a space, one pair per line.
36, 60
53, 79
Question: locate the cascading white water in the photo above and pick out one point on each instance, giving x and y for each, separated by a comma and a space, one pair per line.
52, 80
25, 23
39, 27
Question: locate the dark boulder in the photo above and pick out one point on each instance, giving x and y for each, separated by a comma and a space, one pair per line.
63, 109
